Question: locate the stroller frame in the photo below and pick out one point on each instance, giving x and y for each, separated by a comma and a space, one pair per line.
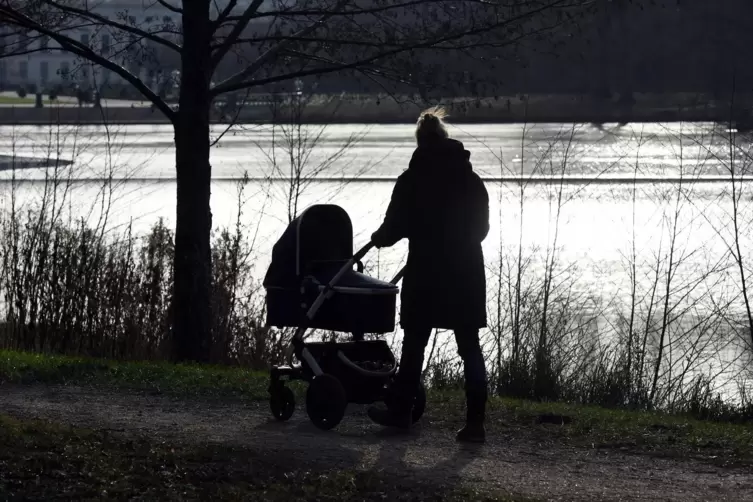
326, 397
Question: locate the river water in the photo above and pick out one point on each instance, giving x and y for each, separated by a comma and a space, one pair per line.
593, 196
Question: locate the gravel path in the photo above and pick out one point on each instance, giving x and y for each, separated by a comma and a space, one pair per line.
519, 460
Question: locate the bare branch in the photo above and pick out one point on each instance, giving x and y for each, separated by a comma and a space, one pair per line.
354, 12
380, 44
233, 122
169, 7
225, 13
84, 13
233, 83
16, 18
237, 81
236, 32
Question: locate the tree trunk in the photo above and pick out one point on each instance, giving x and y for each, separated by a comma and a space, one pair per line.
193, 260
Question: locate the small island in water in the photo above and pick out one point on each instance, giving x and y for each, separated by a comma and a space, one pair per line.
10, 162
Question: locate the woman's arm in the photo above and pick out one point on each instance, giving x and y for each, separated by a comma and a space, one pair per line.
396, 220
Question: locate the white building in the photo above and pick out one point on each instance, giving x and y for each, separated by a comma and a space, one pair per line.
46, 65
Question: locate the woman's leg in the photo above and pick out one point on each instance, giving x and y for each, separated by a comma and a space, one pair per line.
411, 363
407, 381
469, 349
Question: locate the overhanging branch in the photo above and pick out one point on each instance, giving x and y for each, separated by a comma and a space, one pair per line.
13, 17
236, 32
238, 82
170, 7
357, 12
84, 13
344, 42
222, 16
234, 81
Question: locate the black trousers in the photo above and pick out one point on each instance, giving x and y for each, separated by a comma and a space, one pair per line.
412, 361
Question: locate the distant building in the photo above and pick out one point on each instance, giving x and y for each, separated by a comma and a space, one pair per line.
37, 61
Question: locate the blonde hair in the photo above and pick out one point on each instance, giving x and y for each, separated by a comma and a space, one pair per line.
431, 125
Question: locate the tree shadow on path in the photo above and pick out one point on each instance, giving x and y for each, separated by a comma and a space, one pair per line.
412, 458
442, 462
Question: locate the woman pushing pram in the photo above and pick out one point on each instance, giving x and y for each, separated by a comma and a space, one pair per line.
442, 207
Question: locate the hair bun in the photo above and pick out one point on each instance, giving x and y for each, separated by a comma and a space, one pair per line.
430, 125
436, 113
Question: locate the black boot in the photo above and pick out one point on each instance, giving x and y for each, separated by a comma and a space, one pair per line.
403, 390
396, 412
391, 417
474, 431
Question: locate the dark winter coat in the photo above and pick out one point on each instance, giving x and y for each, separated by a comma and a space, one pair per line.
442, 207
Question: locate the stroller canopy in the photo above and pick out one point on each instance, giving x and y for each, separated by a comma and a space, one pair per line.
319, 244
322, 233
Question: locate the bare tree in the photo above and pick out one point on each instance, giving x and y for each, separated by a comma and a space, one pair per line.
298, 155
739, 167
731, 151
394, 44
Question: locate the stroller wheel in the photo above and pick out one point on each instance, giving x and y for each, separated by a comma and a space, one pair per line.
282, 403
326, 401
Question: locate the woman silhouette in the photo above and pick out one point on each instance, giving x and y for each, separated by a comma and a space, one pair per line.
442, 207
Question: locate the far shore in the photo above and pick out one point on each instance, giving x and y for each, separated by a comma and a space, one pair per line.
383, 110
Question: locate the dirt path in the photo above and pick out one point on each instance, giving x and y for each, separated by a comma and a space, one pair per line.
517, 460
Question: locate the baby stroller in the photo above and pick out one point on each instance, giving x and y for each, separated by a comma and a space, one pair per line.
312, 284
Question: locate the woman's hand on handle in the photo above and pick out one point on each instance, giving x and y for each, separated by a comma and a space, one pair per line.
376, 240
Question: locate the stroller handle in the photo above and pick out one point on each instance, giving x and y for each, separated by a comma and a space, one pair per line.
301, 331
336, 278
399, 276
361, 253
348, 266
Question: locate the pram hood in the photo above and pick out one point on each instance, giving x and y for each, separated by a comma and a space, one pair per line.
317, 244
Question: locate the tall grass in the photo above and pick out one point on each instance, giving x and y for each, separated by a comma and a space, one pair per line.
69, 291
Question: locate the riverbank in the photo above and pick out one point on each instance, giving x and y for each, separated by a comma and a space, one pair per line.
157, 430
385, 110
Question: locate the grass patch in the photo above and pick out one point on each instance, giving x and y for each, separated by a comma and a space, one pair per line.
42, 461
23, 367
582, 426
13, 100
593, 427
634, 431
